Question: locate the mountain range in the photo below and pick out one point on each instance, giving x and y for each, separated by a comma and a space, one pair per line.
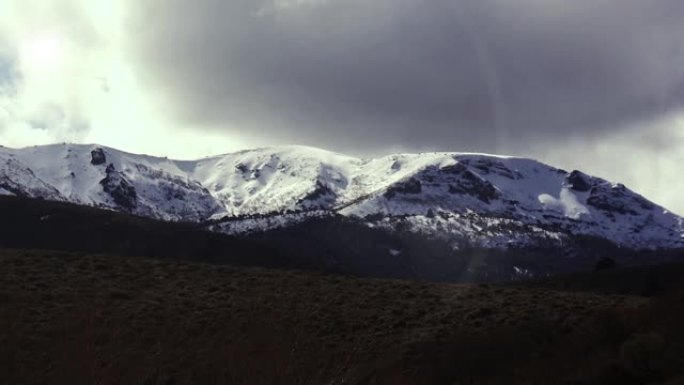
464, 201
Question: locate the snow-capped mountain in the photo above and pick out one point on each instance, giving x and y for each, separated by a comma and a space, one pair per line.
468, 199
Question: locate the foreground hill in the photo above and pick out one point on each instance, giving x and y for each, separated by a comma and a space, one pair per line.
84, 319
467, 200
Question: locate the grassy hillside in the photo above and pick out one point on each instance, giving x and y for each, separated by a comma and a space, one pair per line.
87, 319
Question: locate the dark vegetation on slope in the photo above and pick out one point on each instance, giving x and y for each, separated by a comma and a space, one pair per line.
40, 224
333, 244
646, 280
344, 245
84, 319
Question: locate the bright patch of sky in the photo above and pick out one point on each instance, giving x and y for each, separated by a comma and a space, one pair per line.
65, 76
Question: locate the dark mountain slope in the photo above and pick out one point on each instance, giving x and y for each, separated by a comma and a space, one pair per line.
330, 244
40, 224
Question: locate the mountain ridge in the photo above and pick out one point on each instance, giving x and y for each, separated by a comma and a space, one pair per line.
467, 198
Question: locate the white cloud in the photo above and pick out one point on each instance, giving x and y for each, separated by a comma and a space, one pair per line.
69, 78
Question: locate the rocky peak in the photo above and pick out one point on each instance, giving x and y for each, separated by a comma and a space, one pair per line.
617, 199
410, 186
119, 188
469, 182
98, 157
579, 181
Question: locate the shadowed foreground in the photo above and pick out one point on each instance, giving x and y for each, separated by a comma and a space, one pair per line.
82, 319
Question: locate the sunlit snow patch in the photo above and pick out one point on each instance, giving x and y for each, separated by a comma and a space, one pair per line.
567, 204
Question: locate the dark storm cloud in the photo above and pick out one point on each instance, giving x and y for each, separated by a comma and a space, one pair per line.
488, 75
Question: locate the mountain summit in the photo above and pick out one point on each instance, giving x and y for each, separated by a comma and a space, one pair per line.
469, 200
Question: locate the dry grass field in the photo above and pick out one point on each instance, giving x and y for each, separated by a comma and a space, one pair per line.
86, 319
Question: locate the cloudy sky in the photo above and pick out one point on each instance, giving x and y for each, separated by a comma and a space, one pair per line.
591, 84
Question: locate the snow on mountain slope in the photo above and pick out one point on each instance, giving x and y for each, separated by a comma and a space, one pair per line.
109, 178
526, 191
270, 180
16, 178
482, 200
